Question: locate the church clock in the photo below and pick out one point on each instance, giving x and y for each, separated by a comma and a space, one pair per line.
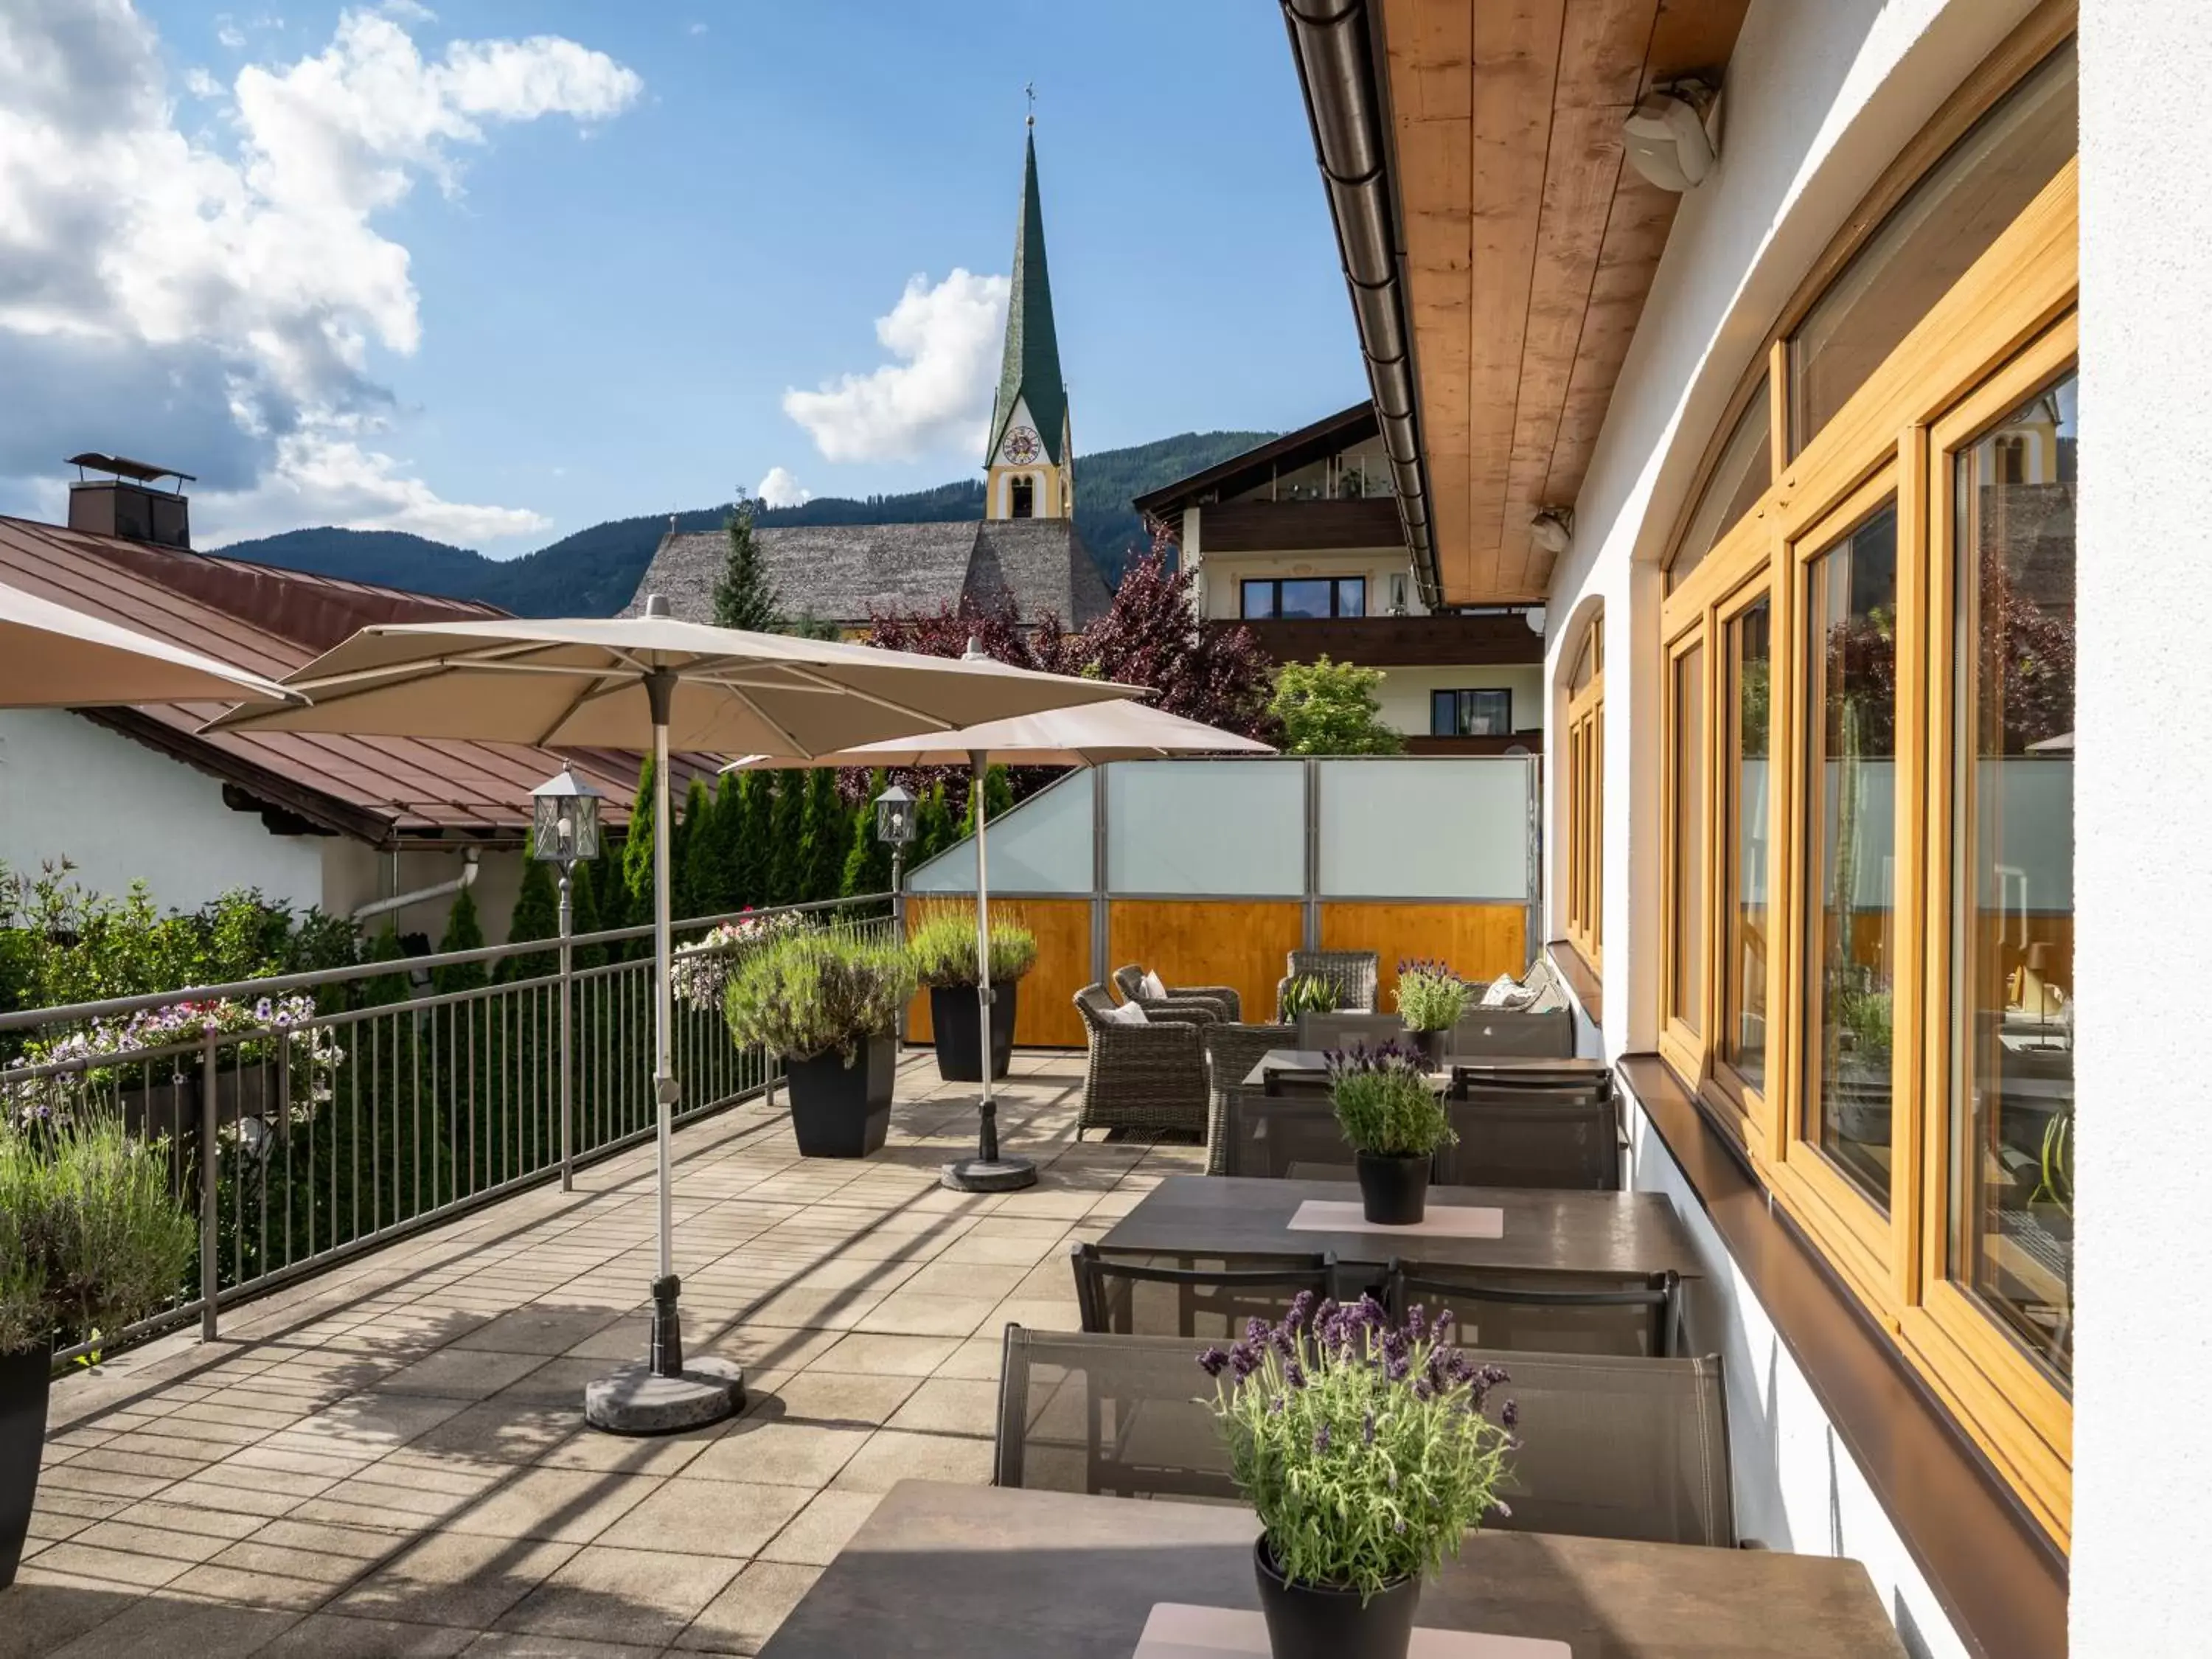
1022, 446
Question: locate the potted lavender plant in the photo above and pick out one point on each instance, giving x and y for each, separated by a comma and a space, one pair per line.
1431, 1000
1366, 1449
1394, 1123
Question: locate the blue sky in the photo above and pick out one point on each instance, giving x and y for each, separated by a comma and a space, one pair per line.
580, 252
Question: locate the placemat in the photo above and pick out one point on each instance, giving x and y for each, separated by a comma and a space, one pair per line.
1178, 1631
1330, 1215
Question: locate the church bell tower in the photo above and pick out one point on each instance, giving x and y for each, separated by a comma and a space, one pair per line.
1030, 464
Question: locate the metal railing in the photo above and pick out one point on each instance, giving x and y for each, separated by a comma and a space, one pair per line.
310, 1117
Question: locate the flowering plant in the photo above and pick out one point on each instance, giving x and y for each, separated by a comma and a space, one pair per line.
1385, 1104
1431, 997
701, 974
1362, 1445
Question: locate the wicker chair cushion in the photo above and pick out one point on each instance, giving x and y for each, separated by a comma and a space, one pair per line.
1127, 1013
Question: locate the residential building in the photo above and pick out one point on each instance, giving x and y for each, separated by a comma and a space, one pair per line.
1299, 540
1747, 341
1025, 550
143, 794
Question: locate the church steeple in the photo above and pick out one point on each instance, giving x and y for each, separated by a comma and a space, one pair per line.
1031, 460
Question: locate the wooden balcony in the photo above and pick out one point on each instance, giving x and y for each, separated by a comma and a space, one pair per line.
1399, 642
1299, 526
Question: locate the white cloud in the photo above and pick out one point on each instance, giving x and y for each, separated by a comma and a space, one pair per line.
201, 84
937, 395
320, 479
696, 28
217, 307
781, 488
230, 34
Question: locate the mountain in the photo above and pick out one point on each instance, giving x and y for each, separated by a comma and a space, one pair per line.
595, 571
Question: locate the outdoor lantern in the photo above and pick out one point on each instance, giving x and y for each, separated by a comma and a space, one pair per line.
895, 817
564, 820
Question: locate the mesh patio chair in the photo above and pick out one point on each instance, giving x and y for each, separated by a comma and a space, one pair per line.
1221, 1002
1210, 1296
1508, 1138
1353, 974
1285, 1137
1350, 1030
1513, 1032
1612, 1447
1545, 1313
1146, 1078
1120, 1416
1231, 1052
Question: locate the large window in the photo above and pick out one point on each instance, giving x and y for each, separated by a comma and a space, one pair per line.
1272, 597
1584, 882
1866, 737
1482, 712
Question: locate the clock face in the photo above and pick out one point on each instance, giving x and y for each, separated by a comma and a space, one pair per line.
1021, 445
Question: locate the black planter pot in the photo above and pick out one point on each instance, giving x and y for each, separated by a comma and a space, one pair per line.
953, 1023
839, 1110
1393, 1191
1430, 1046
24, 1379
1308, 1622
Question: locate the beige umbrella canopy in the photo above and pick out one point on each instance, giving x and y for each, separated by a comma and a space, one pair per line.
54, 657
1088, 735
638, 683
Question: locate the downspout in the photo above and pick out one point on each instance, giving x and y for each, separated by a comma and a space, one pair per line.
459, 883
1335, 45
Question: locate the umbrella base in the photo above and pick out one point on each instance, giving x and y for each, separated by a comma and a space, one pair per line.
988, 1174
634, 1400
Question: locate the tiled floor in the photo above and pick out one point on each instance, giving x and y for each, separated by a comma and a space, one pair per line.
391, 1459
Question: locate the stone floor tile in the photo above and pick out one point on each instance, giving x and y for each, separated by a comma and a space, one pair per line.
779, 1453
604, 1593
462, 1373
519, 1644
817, 1532
120, 1569
166, 1627
709, 1517
509, 1430
568, 1506
45, 1611
928, 1316
894, 1455
880, 1353
745, 1615
543, 1330
454, 1578
340, 1636
838, 1397
946, 1404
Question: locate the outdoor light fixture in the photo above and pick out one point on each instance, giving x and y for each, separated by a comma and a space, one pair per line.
1665, 138
564, 820
1553, 529
895, 818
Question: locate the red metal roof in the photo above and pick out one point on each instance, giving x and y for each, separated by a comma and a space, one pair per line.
271, 621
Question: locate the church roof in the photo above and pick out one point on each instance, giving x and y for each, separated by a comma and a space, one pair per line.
845, 573
1031, 368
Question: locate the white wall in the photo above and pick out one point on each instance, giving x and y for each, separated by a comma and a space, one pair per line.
123, 812
2142, 1439
1404, 693
1220, 596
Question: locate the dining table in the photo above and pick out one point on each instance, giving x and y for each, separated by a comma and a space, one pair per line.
1623, 1236
1280, 1065
989, 1572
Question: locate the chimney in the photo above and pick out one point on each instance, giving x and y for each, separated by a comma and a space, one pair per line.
127, 504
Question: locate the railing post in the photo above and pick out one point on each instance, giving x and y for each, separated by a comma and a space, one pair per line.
210, 1184
568, 1057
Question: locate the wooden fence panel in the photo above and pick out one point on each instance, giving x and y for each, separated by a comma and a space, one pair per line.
1046, 1016
1239, 942
1479, 941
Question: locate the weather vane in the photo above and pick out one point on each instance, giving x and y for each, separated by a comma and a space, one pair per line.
1030, 91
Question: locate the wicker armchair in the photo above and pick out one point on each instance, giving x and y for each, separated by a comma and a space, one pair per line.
1231, 1052
1354, 973
1147, 1078
1213, 1001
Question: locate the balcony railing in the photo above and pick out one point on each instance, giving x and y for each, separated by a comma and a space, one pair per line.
310, 1117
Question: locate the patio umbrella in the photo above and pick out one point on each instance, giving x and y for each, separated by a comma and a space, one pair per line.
1088, 735
649, 682
54, 657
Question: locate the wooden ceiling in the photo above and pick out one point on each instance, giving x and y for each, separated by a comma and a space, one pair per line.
1530, 245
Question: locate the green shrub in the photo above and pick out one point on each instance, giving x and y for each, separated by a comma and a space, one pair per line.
943, 951
1364, 1449
1308, 993
1385, 1106
812, 991
1431, 997
90, 1236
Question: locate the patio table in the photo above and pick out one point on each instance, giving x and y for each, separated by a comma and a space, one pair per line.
1302, 1062
984, 1572
1613, 1235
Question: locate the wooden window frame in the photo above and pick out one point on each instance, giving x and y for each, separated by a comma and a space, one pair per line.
1585, 817
2005, 328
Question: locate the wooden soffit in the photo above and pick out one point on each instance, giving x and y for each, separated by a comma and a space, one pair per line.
1530, 245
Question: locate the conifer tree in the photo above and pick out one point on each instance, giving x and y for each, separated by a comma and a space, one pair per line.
693, 827
464, 931
787, 850
537, 915
743, 595
383, 989
868, 857
637, 848
584, 882
933, 823
729, 829
827, 833
754, 853
997, 798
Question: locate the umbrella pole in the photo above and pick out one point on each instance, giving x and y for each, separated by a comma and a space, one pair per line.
665, 1395
986, 1172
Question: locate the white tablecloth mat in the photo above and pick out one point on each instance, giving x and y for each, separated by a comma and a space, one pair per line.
1179, 1631
1329, 1215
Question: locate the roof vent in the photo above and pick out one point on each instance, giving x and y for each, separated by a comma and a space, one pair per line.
127, 504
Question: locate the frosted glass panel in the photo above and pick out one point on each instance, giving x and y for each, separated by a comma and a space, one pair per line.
1042, 846
1206, 827
1440, 828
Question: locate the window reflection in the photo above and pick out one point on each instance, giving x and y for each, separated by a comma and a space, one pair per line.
1851, 936
1740, 477
1743, 1021
2012, 1106
1689, 976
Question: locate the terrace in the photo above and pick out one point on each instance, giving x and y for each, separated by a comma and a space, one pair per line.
390, 1459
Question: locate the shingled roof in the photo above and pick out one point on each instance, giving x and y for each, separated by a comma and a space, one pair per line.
845, 573
271, 621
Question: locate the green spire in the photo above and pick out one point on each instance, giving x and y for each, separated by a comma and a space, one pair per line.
1032, 368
